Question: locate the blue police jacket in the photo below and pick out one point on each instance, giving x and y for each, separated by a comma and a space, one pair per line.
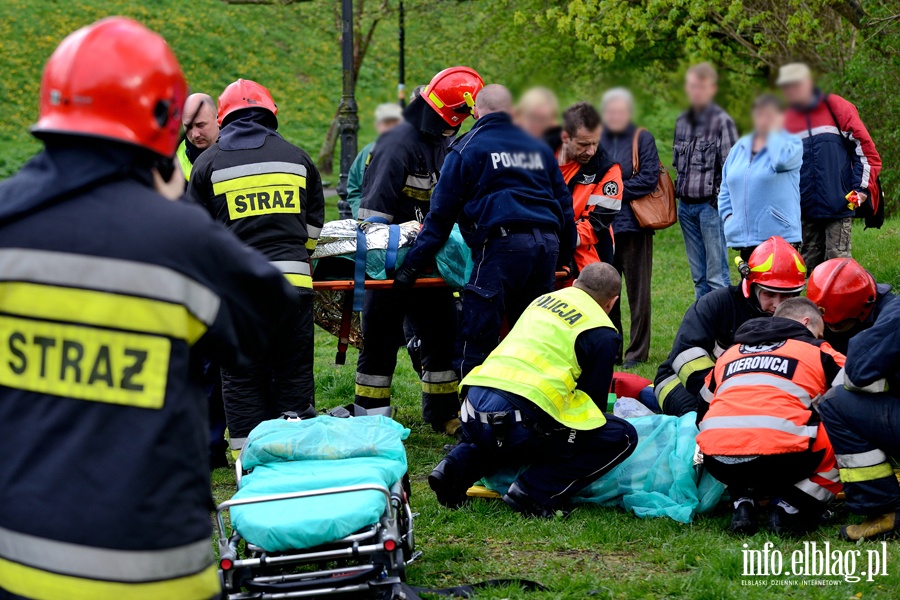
496, 176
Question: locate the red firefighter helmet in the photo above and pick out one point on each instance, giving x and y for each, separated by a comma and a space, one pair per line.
452, 93
242, 94
114, 79
775, 265
843, 290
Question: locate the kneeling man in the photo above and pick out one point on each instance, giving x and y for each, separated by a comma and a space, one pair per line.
538, 399
761, 434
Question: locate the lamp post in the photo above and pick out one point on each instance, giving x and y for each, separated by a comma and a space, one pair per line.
401, 62
348, 121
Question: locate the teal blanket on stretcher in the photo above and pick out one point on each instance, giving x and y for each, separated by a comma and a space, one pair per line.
293, 456
657, 480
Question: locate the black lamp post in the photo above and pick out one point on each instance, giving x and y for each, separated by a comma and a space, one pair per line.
348, 121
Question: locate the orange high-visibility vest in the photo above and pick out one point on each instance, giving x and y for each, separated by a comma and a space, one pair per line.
763, 399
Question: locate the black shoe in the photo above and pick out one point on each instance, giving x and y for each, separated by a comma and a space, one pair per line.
785, 524
449, 489
743, 521
631, 364
521, 502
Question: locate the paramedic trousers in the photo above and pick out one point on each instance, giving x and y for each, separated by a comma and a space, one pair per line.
279, 381
865, 432
430, 315
808, 480
562, 461
512, 268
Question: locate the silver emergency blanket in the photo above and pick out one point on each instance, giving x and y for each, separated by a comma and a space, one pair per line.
338, 238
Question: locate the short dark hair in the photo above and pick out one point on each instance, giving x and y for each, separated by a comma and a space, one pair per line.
798, 308
764, 100
581, 115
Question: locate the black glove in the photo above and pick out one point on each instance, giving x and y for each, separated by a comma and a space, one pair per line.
405, 278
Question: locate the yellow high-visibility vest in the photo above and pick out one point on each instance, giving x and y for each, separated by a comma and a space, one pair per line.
182, 156
537, 359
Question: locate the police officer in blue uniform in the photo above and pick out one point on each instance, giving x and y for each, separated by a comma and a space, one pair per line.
862, 418
110, 295
515, 212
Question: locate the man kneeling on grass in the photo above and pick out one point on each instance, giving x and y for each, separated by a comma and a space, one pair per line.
538, 399
760, 433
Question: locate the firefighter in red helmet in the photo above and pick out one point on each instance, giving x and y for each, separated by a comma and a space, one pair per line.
111, 295
269, 193
773, 273
849, 297
397, 185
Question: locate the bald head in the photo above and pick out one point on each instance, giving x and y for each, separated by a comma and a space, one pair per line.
199, 120
493, 98
601, 282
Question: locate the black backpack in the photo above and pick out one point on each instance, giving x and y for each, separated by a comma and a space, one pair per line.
872, 212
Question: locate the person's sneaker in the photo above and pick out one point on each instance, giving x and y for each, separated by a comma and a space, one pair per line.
518, 500
885, 525
743, 521
449, 489
784, 523
631, 364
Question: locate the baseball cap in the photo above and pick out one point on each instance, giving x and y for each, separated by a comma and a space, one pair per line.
389, 111
792, 73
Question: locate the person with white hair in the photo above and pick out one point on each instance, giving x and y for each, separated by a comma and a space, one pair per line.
633, 256
387, 116
537, 112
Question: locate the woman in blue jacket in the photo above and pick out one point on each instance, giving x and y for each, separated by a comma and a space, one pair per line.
760, 193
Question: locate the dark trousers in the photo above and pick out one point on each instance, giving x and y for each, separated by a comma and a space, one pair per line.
563, 461
634, 260
430, 315
510, 271
279, 381
824, 240
774, 476
212, 375
865, 432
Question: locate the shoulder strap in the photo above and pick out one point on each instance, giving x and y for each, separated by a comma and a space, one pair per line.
635, 158
831, 112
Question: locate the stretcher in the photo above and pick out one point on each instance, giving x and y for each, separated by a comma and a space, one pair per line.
322, 508
347, 286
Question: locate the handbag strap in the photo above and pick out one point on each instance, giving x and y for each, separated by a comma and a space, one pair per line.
635, 158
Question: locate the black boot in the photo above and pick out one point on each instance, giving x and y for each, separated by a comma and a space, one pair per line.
743, 521
784, 523
519, 500
447, 486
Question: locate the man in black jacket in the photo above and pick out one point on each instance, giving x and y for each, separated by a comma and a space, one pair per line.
268, 193
775, 272
397, 188
633, 257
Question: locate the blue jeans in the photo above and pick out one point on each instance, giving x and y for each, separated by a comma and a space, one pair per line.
704, 240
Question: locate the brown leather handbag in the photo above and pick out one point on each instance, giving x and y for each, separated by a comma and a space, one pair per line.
656, 210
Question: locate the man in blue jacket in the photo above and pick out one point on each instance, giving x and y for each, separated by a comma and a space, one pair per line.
862, 418
515, 212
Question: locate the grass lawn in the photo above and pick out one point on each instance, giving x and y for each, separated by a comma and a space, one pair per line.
597, 552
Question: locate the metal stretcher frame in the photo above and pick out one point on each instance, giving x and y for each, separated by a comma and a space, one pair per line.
345, 548
346, 286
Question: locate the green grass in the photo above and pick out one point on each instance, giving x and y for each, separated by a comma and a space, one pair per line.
597, 552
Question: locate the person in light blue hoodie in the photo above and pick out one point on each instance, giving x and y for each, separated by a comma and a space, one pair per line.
760, 193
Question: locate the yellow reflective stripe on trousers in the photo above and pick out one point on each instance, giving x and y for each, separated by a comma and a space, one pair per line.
367, 391
859, 474
440, 388
665, 388
100, 309
311, 244
42, 585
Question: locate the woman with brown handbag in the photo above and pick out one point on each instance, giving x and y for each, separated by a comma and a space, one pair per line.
633, 243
